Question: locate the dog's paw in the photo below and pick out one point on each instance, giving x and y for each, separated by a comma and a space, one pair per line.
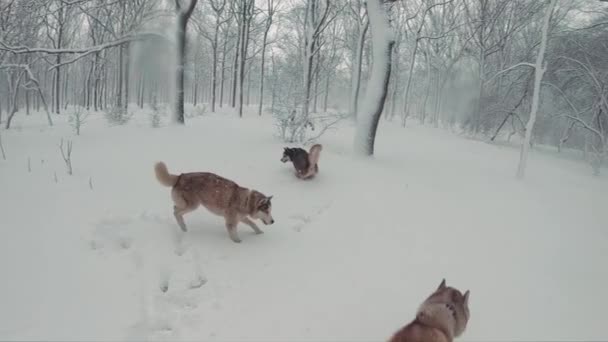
237, 240
258, 232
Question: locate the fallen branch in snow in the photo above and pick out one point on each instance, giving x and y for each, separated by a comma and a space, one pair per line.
67, 155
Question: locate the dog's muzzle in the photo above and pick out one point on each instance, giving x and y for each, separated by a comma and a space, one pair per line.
285, 159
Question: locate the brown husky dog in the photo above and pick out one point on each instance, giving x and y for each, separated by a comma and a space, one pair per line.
219, 195
441, 317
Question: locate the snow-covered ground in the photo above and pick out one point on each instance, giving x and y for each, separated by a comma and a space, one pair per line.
351, 256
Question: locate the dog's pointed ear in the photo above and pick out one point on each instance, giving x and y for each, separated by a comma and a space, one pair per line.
466, 298
442, 285
269, 198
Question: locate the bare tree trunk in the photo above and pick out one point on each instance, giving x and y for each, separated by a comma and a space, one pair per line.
119, 77
2, 148
214, 68
56, 92
246, 21
263, 58
356, 79
406, 95
236, 65
27, 102
247, 101
316, 92
427, 90
127, 73
395, 82
142, 90
182, 23
539, 71
223, 69
65, 89
196, 91
326, 95
382, 45
14, 101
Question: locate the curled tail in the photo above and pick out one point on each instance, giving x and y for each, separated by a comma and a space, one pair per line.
314, 153
163, 175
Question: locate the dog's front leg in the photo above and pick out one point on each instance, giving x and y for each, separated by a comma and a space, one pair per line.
252, 224
231, 226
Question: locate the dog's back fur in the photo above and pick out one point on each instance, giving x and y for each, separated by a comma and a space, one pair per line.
219, 195
441, 317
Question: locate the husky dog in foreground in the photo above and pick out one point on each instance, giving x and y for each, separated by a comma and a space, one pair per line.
219, 195
305, 163
441, 317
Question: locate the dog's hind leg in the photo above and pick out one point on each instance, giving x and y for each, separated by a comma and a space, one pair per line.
252, 224
231, 224
179, 215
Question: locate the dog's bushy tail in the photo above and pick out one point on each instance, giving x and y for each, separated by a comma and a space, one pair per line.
314, 154
163, 175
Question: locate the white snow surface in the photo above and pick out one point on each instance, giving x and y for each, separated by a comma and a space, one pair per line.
352, 254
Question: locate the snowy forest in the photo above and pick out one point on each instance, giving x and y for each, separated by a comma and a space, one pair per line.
476, 129
489, 69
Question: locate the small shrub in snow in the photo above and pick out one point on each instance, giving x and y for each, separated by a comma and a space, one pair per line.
77, 118
198, 110
67, 155
118, 116
294, 128
155, 119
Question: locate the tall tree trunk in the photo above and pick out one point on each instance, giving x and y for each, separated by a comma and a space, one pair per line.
326, 94
427, 90
262, 68
222, 70
395, 76
214, 68
377, 89
539, 71
247, 101
127, 73
235, 68
119, 77
182, 22
14, 104
65, 89
56, 86
27, 102
244, 46
406, 94
316, 92
356, 78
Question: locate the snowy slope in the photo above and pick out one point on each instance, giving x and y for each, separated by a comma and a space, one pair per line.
351, 256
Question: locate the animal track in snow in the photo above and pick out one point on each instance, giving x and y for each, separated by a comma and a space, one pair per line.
112, 233
302, 219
